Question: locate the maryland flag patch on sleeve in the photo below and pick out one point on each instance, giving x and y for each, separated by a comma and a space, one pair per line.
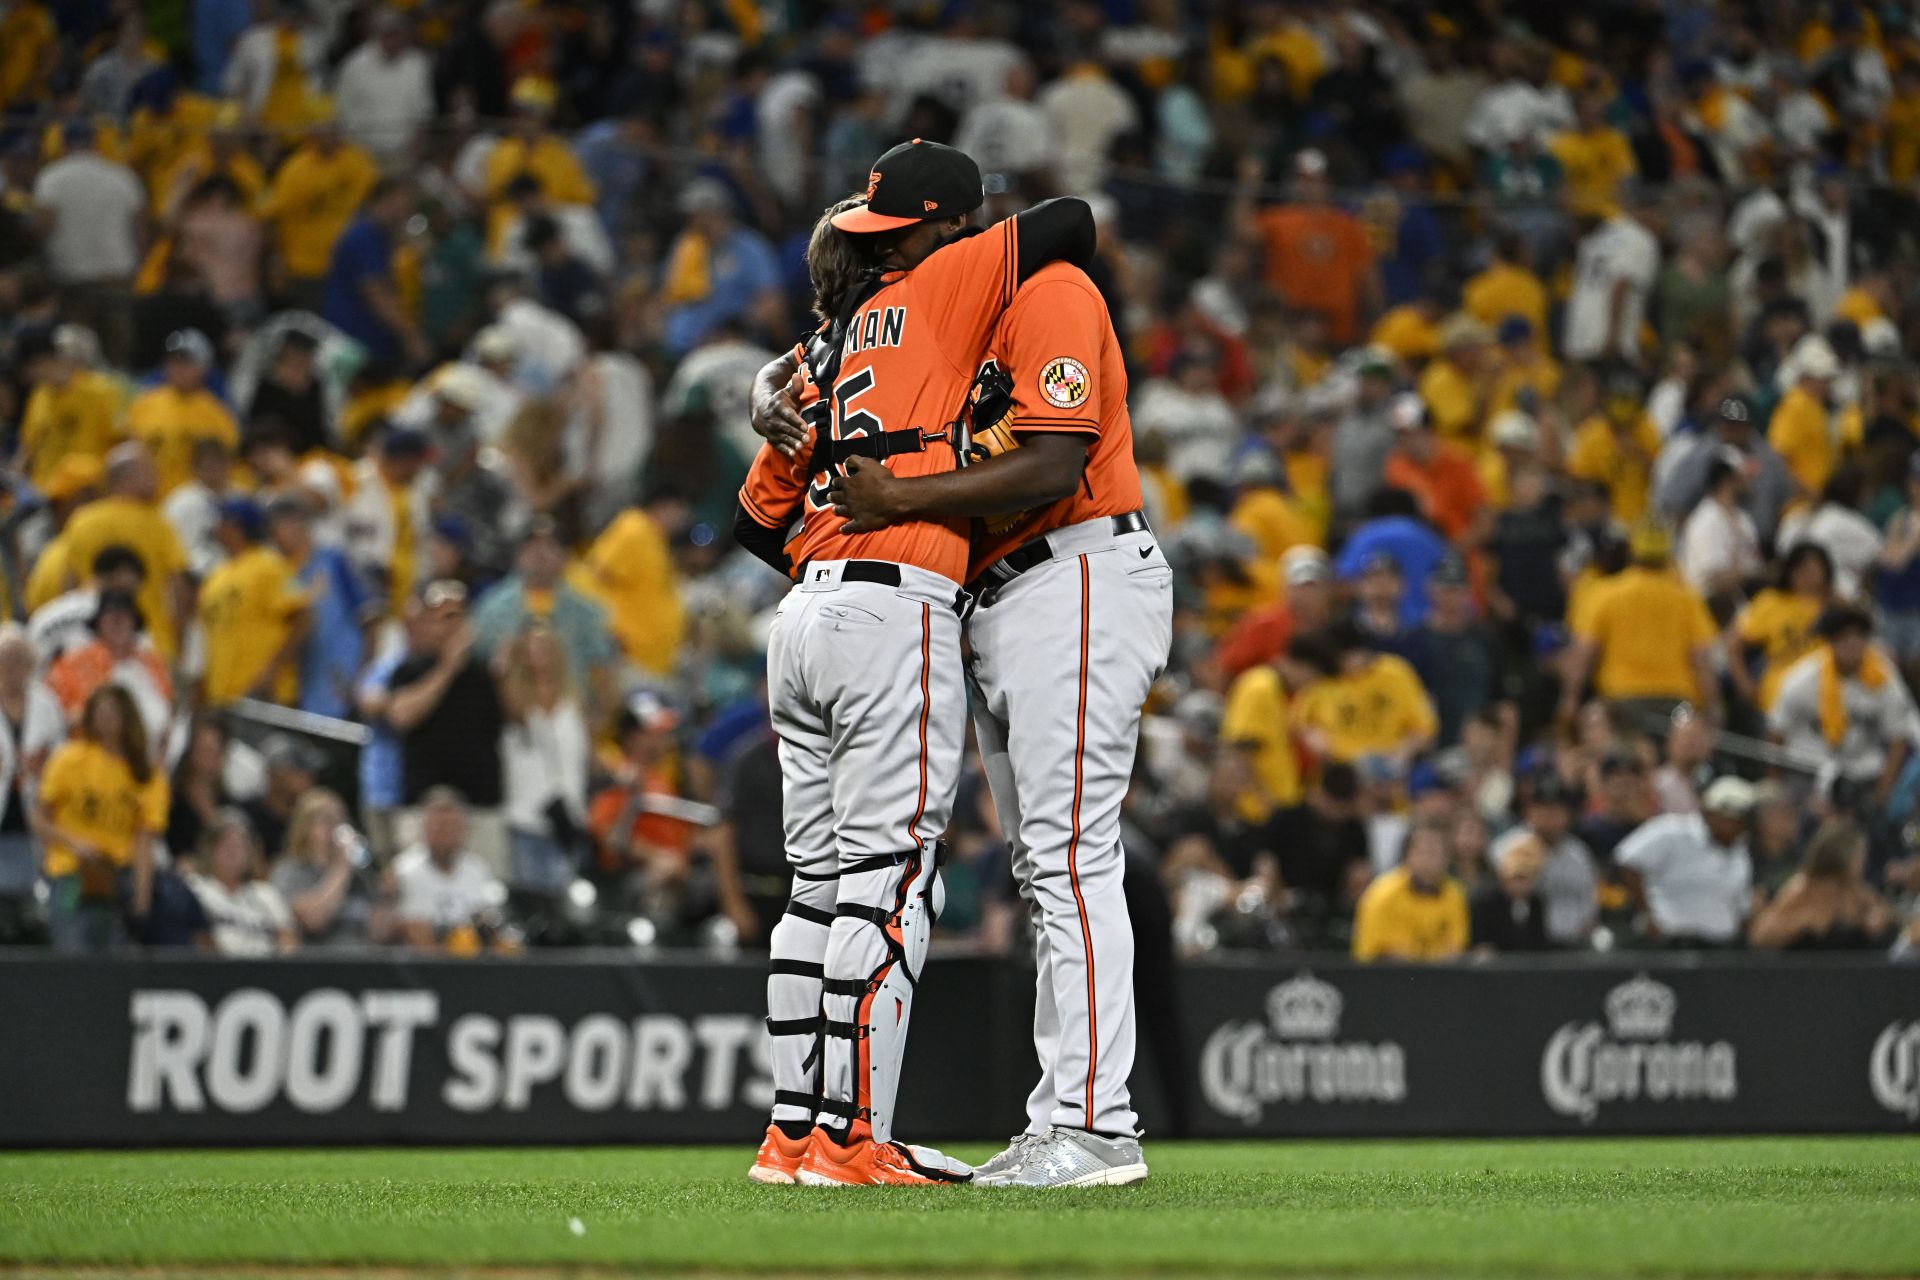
1065, 382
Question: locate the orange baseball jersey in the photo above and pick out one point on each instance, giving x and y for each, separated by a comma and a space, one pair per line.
911, 351
1057, 343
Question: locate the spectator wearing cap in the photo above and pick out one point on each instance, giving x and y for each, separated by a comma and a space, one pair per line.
193, 508
1439, 474
1622, 801
1568, 880
1507, 287
1719, 546
538, 591
1305, 607
1415, 912
1373, 705
1616, 264
66, 622
1394, 526
170, 417
311, 202
1644, 636
119, 653
532, 149
1690, 874
341, 611
129, 517
633, 835
1457, 385
443, 704
1616, 448
72, 409
1362, 435
293, 768
1769, 485
1845, 704
1835, 525
390, 515
1458, 657
1513, 437
1376, 595
254, 613
90, 212
1318, 255
717, 272
1509, 915
361, 296
1801, 429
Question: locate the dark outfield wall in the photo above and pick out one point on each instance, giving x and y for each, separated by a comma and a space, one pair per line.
606, 1049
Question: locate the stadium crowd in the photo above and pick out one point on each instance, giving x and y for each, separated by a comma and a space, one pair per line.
1523, 391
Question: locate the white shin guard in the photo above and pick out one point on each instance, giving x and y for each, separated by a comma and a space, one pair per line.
875, 957
799, 950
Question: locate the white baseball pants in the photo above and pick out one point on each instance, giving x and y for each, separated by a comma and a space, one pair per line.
868, 698
1063, 658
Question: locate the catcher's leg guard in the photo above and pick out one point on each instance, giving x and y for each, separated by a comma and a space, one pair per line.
875, 957
799, 952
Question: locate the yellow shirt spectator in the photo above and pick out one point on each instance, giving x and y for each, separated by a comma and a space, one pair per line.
1505, 289
139, 526
1780, 625
90, 792
1537, 372
1646, 625
248, 607
1802, 434
169, 421
1454, 401
1373, 711
1596, 161
632, 572
1903, 136
27, 51
81, 416
1274, 522
549, 160
198, 163
1624, 466
48, 579
1408, 332
1256, 722
1397, 920
312, 200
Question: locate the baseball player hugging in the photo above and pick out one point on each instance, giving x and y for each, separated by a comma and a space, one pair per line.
865, 683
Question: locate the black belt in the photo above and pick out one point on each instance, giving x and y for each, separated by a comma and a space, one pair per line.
1037, 552
885, 573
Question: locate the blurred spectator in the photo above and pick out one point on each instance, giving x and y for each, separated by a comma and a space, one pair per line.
1777, 843
1374, 705
1318, 258
1844, 705
128, 516
544, 756
1088, 112
1690, 874
1686, 460
1416, 911
119, 655
633, 835
1621, 803
1616, 448
384, 90
276, 66
193, 508
361, 295
717, 272
73, 410
339, 612
325, 878
290, 398
199, 787
315, 193
1678, 781
169, 418
65, 623
391, 514
1305, 607
1441, 476
292, 768
1776, 628
632, 572
1644, 636
1616, 265
101, 804
447, 892
538, 591
245, 913
1836, 526
1187, 411
90, 210
1801, 430
254, 614
1462, 660
1897, 583
31, 726
1719, 544
445, 708
1827, 905
1394, 527
1508, 914
1566, 879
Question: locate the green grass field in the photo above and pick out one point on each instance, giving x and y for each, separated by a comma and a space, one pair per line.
1751, 1207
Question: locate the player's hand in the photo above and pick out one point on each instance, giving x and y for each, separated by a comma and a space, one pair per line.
868, 496
775, 414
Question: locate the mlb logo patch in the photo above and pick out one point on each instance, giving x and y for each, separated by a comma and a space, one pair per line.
1065, 382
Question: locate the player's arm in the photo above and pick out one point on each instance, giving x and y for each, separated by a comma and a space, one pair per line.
767, 504
774, 410
1045, 469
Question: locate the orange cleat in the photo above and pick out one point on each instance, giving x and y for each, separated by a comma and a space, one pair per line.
779, 1158
866, 1163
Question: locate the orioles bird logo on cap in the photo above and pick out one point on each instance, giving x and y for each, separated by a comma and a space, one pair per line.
873, 181
1065, 382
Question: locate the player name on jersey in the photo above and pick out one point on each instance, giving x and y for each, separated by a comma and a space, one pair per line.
880, 327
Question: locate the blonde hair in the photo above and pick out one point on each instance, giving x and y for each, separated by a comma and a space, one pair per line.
301, 818
517, 680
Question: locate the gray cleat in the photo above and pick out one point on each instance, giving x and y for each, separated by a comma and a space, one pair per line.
1010, 1158
1071, 1158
